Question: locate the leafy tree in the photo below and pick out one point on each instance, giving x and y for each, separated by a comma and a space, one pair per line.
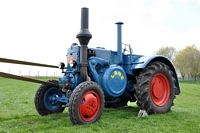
169, 52
193, 63
180, 63
187, 61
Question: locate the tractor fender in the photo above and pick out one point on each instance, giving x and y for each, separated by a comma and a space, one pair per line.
143, 61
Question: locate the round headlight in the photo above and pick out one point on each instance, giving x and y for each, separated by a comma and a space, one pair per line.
61, 65
72, 63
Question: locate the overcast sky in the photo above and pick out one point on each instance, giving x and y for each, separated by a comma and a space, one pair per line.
42, 30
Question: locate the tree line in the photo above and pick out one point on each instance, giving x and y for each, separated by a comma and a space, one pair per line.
186, 61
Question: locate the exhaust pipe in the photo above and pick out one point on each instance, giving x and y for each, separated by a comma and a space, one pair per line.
84, 37
119, 42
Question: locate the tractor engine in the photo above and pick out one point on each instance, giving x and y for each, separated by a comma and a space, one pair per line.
95, 64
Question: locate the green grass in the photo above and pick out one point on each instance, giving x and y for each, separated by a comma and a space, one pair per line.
18, 114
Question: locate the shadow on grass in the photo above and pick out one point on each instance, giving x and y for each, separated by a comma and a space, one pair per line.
122, 112
114, 112
123, 109
64, 120
108, 113
116, 118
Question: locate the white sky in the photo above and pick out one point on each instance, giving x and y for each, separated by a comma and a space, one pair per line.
42, 30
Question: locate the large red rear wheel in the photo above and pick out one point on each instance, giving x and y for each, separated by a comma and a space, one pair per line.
160, 89
155, 88
86, 103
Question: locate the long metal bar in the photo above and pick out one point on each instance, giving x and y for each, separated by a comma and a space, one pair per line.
25, 63
6, 75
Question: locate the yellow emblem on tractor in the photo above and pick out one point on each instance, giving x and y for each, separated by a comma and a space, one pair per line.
117, 73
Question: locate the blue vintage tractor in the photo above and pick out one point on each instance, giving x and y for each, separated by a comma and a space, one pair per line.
94, 78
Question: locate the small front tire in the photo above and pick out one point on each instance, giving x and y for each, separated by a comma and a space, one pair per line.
86, 103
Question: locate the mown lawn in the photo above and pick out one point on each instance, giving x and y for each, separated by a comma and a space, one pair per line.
18, 114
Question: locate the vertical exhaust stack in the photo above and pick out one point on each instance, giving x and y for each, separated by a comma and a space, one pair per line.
84, 37
119, 42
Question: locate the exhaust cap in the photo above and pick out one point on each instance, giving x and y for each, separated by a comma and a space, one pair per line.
119, 23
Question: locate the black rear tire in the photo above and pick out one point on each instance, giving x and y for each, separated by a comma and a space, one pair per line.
86, 103
155, 88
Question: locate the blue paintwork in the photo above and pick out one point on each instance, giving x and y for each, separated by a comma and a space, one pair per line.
114, 81
97, 67
51, 98
114, 71
63, 99
106, 55
143, 61
128, 62
73, 79
119, 42
103, 65
111, 78
72, 75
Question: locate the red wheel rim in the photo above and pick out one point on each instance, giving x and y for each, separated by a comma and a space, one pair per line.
89, 105
160, 89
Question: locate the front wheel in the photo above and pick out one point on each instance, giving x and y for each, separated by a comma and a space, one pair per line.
155, 88
45, 99
86, 103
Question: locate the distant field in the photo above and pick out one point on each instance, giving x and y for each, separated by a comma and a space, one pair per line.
18, 114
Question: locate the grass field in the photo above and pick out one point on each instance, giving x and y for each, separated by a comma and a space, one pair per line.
18, 114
